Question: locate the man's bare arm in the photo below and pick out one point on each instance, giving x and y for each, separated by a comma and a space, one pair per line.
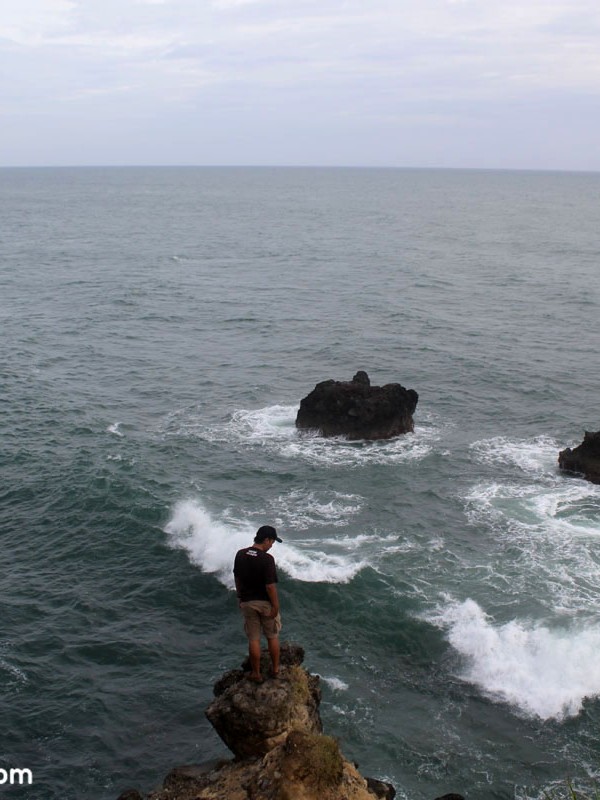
273, 598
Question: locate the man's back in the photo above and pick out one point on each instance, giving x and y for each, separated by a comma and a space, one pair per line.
254, 570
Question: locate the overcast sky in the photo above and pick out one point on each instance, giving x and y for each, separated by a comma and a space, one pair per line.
449, 83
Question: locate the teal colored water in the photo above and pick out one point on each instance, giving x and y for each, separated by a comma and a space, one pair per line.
159, 327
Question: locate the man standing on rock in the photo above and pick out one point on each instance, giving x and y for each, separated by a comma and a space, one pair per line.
255, 584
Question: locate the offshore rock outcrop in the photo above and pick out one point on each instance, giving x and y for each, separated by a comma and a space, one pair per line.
274, 728
450, 797
357, 410
584, 459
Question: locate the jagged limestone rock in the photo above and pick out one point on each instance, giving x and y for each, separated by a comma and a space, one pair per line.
274, 729
253, 718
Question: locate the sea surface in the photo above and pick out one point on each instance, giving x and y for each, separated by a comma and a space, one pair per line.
158, 330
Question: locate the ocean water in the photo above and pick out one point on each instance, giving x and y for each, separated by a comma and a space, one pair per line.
158, 329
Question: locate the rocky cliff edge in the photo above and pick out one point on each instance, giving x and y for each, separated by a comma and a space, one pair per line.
274, 731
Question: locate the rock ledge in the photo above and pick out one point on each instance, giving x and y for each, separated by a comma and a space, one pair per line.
274, 730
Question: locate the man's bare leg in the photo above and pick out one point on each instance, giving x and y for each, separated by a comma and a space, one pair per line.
273, 645
254, 654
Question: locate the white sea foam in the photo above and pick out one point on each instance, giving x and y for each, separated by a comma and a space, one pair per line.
318, 566
554, 526
530, 455
274, 427
436, 543
274, 422
562, 511
14, 671
7, 666
572, 509
335, 683
381, 541
114, 429
211, 544
302, 509
544, 672
188, 422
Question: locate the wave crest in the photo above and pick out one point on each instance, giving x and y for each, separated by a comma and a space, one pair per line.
212, 544
547, 673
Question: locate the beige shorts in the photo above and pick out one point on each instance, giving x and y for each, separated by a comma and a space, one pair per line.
256, 619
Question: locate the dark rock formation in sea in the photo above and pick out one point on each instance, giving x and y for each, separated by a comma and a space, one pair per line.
450, 797
357, 410
584, 459
380, 789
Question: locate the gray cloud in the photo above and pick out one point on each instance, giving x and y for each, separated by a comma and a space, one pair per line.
398, 82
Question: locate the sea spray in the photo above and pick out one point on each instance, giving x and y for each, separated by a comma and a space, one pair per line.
212, 544
304, 509
534, 455
209, 543
273, 428
543, 672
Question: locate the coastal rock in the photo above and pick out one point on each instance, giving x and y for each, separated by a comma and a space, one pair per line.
230, 781
450, 797
254, 718
188, 776
584, 459
290, 655
303, 767
357, 410
381, 789
274, 729
311, 767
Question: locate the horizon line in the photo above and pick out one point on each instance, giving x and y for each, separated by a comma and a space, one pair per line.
302, 166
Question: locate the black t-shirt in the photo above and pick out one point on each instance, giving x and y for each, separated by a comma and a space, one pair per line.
254, 569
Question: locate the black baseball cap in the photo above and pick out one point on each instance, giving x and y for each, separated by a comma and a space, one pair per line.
266, 532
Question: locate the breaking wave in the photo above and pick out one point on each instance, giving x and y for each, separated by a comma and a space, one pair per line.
544, 672
211, 544
545, 527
